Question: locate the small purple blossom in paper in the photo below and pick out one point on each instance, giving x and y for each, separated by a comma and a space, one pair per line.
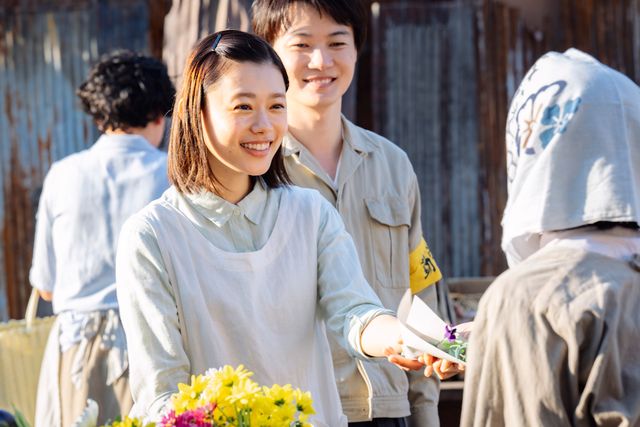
453, 343
450, 333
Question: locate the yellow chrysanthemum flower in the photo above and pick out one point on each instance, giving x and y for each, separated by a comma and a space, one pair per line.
225, 414
227, 376
283, 407
211, 394
131, 422
188, 396
243, 393
304, 403
280, 395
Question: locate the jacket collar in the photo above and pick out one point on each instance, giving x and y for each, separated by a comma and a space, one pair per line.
352, 138
122, 142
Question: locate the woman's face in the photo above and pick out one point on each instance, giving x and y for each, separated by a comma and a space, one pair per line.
319, 55
245, 119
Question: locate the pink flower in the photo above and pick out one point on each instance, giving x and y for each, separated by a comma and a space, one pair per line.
200, 417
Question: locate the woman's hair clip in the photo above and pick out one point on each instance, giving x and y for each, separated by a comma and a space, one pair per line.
215, 43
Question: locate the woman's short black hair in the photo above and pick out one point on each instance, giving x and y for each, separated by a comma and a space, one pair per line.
125, 90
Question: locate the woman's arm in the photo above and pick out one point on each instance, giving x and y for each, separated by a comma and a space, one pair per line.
157, 360
381, 338
352, 309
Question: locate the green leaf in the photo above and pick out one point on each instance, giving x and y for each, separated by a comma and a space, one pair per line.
21, 421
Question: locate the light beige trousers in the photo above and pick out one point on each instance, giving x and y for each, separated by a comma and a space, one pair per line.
113, 400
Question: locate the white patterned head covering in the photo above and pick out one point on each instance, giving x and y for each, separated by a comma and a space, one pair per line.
573, 150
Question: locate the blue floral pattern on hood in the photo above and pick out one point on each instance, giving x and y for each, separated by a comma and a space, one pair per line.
557, 120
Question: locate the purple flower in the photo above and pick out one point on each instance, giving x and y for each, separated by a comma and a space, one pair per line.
450, 333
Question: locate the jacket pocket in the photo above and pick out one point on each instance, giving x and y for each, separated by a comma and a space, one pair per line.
389, 231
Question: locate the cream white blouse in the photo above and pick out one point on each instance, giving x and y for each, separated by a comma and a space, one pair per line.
203, 283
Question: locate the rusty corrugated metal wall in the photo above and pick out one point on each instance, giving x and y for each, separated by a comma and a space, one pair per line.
424, 56
435, 76
46, 48
190, 20
442, 75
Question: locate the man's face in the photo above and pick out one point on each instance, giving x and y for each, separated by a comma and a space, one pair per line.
319, 55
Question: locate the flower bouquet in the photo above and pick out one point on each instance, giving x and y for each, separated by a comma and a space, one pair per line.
228, 397
224, 397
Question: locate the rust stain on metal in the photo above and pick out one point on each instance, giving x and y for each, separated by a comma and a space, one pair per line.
17, 232
44, 149
158, 9
8, 107
3, 47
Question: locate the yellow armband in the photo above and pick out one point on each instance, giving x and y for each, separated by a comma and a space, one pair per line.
423, 270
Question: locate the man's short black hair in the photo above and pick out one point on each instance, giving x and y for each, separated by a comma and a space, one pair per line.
271, 17
125, 90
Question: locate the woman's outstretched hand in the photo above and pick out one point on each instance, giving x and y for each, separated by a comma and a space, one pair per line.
402, 362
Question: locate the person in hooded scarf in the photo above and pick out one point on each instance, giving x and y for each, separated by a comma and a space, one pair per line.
556, 341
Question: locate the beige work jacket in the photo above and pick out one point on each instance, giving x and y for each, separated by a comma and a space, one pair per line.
378, 198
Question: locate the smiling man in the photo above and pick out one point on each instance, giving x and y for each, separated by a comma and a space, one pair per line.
367, 178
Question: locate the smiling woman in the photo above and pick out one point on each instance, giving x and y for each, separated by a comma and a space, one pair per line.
221, 87
233, 266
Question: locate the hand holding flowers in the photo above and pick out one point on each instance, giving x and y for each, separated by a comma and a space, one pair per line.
455, 343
